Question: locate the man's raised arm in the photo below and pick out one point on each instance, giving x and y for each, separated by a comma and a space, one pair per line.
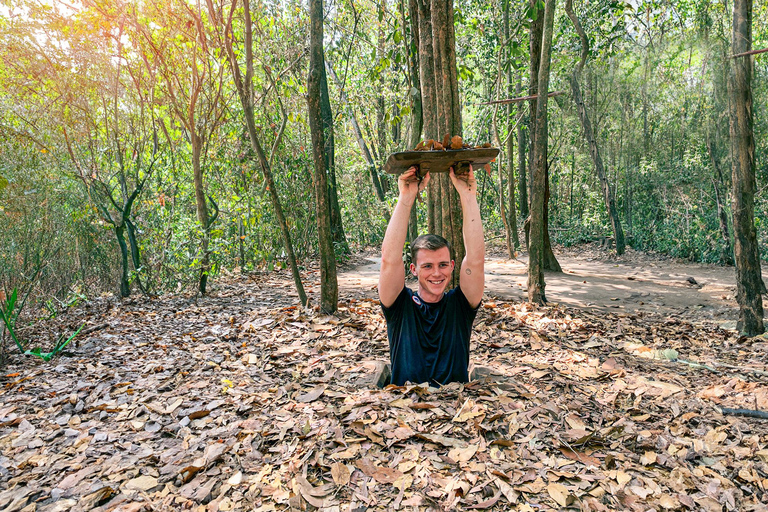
392, 276
472, 277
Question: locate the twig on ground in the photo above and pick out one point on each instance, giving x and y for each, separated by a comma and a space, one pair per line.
750, 413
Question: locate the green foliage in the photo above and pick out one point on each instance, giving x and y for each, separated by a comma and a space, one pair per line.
9, 313
79, 131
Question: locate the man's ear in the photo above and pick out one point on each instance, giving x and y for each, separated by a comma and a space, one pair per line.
413, 269
453, 265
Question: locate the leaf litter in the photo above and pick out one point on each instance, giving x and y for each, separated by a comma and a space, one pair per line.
244, 401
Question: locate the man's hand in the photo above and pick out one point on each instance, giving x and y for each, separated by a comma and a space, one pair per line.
409, 184
464, 183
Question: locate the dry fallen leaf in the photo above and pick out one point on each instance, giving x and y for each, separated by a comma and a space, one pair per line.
340, 473
559, 493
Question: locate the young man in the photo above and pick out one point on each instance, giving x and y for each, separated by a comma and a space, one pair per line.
429, 330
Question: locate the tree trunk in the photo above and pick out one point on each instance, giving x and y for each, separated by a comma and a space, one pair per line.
329, 287
125, 288
586, 126
417, 121
337, 228
536, 251
522, 169
244, 92
449, 119
372, 170
749, 282
510, 220
202, 211
726, 255
537, 33
429, 106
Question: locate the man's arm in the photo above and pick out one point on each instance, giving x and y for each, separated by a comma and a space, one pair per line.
472, 273
392, 276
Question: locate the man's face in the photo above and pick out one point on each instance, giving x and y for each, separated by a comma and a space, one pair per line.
433, 269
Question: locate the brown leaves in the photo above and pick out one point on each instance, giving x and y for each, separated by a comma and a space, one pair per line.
340, 473
571, 416
311, 395
449, 142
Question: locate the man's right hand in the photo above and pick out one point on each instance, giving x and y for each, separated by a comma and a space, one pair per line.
409, 184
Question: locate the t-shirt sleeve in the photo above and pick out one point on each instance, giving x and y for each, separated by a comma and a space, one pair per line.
397, 307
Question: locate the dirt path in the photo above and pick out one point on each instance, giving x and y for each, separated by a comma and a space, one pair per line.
595, 280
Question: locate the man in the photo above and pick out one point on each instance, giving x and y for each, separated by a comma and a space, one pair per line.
429, 330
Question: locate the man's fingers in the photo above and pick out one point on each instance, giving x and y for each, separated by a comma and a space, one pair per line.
424, 181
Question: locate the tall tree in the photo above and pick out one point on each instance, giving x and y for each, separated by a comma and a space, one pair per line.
441, 112
522, 169
749, 281
510, 220
194, 81
536, 249
411, 44
536, 45
586, 126
337, 228
119, 156
244, 86
329, 286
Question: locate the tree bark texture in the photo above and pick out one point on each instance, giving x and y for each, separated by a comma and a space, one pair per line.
537, 34
337, 228
449, 119
329, 287
536, 250
417, 121
749, 282
586, 126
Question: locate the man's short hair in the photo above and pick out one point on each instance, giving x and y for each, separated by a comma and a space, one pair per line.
428, 242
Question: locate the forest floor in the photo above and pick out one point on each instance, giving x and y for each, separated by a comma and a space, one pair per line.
616, 396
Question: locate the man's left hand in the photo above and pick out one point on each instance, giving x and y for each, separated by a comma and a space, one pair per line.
464, 183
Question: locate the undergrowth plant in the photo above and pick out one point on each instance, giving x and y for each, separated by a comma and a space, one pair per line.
9, 314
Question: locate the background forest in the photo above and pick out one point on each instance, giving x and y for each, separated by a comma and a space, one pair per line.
126, 161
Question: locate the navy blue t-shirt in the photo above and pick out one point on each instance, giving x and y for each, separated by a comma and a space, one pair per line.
429, 342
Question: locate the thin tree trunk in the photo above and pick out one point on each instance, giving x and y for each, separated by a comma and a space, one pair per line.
373, 172
125, 288
726, 256
329, 287
510, 220
414, 96
522, 168
337, 227
586, 126
749, 282
244, 92
202, 212
536, 251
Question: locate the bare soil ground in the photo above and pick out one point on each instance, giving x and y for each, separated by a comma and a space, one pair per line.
595, 279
